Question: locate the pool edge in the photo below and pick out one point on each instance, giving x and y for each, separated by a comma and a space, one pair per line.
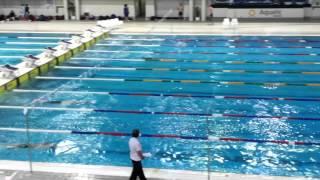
120, 171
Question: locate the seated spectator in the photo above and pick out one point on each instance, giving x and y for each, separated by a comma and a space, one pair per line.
86, 16
32, 18
42, 18
2, 17
113, 16
11, 16
92, 18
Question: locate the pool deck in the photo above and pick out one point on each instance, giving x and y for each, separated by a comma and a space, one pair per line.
16, 170
54, 171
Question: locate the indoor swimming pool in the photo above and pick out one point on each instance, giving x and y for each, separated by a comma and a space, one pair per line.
14, 46
239, 104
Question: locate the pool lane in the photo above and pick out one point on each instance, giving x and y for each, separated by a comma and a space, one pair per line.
22, 44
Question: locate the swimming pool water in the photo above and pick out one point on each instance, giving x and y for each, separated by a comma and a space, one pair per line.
14, 46
171, 60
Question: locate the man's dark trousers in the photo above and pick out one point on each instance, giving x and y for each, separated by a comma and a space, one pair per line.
137, 171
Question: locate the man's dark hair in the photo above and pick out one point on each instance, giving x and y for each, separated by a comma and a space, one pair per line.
135, 133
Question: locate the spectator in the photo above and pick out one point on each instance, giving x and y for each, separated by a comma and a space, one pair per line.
26, 10
11, 16
180, 10
126, 12
210, 9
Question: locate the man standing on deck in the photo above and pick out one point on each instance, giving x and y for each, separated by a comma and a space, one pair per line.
180, 10
26, 10
136, 156
126, 12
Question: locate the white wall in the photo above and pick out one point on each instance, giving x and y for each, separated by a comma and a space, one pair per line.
150, 8
106, 7
312, 12
48, 7
37, 7
164, 6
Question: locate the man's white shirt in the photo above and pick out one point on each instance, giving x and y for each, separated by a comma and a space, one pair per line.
134, 146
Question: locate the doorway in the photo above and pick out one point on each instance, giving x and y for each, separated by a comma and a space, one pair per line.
140, 8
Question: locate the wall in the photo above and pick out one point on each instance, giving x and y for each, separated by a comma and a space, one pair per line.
51, 7
106, 7
164, 6
312, 12
150, 8
37, 7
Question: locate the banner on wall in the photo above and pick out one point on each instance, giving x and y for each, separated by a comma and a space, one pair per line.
265, 13
270, 13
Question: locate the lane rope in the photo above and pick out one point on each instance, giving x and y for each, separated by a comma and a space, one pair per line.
267, 84
180, 95
167, 136
207, 46
206, 53
106, 59
245, 40
215, 115
11, 57
106, 51
18, 49
55, 38
236, 62
118, 39
189, 70
129, 45
30, 43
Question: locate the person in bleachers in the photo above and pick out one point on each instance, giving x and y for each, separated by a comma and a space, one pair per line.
11, 16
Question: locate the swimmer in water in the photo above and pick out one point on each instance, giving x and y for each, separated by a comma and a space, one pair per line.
50, 146
68, 102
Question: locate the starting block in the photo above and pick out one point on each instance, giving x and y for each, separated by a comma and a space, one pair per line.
49, 52
8, 71
30, 61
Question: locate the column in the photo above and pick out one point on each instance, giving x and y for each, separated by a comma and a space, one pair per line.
150, 9
66, 10
77, 6
191, 10
204, 10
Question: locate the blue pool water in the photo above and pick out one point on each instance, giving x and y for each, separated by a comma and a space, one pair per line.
171, 59
14, 46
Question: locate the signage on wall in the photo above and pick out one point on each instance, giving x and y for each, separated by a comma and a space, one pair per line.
264, 13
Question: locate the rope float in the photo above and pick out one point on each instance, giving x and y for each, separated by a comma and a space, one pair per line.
181, 95
267, 84
234, 53
245, 40
231, 62
169, 136
215, 115
217, 40
237, 46
205, 53
238, 62
189, 70
206, 46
